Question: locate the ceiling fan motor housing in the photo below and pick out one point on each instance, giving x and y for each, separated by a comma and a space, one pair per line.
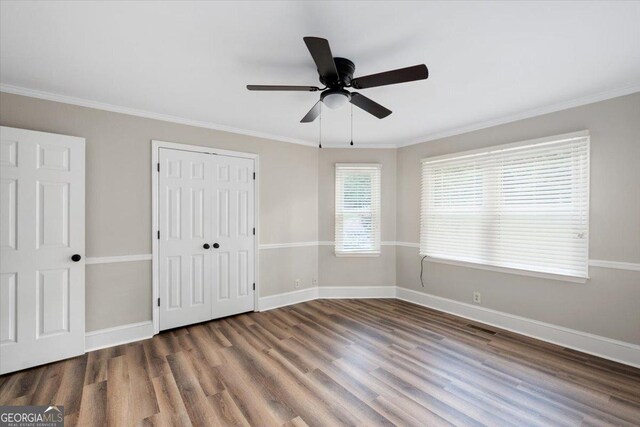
345, 68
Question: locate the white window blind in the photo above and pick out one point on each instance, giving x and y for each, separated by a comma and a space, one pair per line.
520, 206
357, 209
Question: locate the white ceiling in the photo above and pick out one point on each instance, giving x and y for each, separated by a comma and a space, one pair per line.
488, 61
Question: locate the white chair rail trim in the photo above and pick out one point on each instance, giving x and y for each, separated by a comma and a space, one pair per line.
118, 258
600, 263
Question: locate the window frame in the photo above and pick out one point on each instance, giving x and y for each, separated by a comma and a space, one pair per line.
375, 251
503, 148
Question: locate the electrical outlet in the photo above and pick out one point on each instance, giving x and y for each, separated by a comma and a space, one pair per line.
297, 284
477, 298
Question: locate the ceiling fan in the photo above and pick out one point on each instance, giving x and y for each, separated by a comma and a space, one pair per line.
336, 74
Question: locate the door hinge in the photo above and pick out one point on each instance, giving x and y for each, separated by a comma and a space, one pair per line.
158, 234
254, 231
158, 302
158, 167
254, 286
254, 175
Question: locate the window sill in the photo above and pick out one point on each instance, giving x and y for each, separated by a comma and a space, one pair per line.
560, 277
357, 254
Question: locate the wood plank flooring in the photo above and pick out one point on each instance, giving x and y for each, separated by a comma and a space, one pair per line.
334, 362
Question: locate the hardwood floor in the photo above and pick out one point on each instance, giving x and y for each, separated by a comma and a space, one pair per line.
334, 362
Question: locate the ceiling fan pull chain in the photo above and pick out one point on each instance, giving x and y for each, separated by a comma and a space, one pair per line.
320, 144
351, 124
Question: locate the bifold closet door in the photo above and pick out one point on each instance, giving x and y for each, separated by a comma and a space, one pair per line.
233, 225
42, 215
184, 214
206, 241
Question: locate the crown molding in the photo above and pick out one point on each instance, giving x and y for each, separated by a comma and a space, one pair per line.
577, 102
81, 102
527, 114
356, 145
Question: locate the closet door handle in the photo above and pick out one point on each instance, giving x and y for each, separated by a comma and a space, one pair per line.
76, 257
216, 246
206, 246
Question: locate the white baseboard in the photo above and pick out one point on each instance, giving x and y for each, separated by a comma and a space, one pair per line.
287, 298
325, 292
619, 351
607, 348
109, 337
334, 292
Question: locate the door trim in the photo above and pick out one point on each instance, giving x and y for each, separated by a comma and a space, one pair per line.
156, 145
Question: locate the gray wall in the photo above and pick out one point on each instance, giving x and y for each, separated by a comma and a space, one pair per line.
296, 205
118, 200
356, 271
609, 303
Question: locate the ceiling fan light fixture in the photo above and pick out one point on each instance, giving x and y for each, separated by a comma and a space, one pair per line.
335, 98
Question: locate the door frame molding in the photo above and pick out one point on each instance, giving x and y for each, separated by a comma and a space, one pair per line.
155, 153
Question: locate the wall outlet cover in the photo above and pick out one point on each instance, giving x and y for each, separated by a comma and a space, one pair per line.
477, 298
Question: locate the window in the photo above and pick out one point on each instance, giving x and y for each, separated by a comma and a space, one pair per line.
520, 206
357, 209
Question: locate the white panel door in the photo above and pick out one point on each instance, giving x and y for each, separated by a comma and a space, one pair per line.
185, 232
41, 229
233, 238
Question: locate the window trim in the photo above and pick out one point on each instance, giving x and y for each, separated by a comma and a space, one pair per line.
360, 254
505, 147
509, 270
501, 148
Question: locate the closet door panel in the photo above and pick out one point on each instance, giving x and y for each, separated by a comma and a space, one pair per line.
185, 187
232, 228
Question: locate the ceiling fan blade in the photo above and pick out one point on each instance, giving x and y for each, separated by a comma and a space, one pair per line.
321, 54
401, 75
312, 114
369, 106
285, 88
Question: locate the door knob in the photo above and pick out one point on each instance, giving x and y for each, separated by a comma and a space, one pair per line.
75, 257
215, 245
206, 246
